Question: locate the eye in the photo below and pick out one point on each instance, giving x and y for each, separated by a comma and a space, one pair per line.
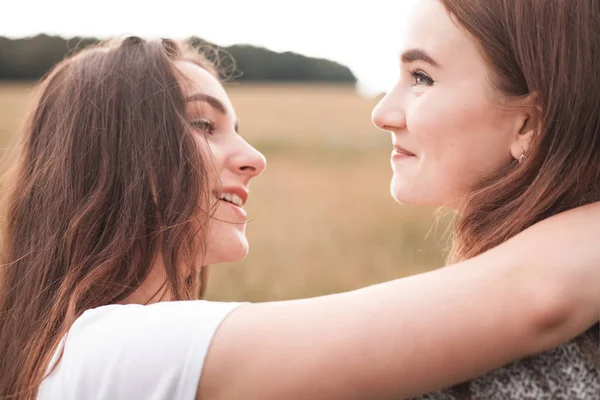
204, 124
421, 79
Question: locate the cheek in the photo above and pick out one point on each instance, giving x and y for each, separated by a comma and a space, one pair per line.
212, 151
460, 142
442, 132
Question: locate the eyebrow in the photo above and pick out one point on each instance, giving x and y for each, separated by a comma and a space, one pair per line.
413, 55
214, 103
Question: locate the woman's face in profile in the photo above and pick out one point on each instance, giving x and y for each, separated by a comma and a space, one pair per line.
211, 114
448, 125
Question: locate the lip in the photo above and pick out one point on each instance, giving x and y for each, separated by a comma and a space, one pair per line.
401, 152
236, 209
241, 192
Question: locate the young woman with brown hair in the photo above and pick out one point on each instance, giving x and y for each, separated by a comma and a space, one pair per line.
496, 115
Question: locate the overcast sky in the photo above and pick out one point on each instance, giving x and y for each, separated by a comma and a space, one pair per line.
364, 35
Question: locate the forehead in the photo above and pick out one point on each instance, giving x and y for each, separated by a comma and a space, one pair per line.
432, 29
198, 80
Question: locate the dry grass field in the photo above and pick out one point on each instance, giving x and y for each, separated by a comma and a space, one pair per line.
322, 219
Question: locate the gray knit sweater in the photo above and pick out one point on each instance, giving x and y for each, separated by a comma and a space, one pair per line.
568, 372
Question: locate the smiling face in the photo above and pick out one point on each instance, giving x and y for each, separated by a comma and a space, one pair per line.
210, 112
450, 128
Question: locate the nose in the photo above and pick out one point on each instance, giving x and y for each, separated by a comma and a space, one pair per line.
248, 161
388, 114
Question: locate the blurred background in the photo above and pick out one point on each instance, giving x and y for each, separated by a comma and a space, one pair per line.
303, 79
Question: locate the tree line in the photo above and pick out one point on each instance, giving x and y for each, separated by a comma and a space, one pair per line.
30, 58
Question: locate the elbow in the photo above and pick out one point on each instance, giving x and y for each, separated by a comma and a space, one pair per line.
556, 318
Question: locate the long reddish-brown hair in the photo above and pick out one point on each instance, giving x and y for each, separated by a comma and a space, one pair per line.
549, 49
109, 177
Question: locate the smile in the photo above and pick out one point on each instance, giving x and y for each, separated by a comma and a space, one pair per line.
401, 152
233, 199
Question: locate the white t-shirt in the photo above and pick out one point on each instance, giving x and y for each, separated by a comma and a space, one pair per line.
126, 352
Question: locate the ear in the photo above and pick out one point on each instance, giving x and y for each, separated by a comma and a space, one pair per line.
527, 126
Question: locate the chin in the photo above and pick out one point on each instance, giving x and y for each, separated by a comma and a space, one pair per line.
412, 196
406, 200
239, 246
238, 251
228, 246
403, 194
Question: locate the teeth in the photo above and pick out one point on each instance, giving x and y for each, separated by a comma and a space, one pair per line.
232, 198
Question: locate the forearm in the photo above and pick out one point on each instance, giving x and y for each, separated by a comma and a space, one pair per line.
455, 324
534, 292
539, 289
392, 340
559, 261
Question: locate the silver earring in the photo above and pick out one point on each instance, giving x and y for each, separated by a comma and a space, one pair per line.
523, 157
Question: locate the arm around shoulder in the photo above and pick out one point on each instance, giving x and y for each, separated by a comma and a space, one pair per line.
416, 334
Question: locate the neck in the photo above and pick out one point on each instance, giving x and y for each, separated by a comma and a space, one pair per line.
152, 290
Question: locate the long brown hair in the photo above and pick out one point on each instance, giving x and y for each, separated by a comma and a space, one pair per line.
108, 178
549, 49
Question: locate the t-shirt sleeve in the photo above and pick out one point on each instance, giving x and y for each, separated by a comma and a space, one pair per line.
140, 352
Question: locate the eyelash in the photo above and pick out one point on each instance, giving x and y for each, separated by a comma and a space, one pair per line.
421, 75
204, 124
